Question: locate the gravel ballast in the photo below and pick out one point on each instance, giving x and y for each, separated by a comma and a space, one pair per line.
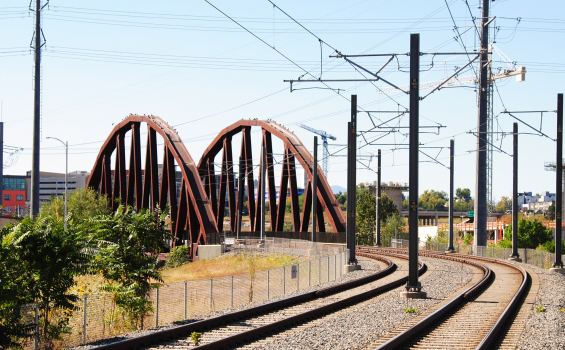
546, 330
364, 323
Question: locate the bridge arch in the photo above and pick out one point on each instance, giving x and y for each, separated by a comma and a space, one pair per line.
294, 151
190, 211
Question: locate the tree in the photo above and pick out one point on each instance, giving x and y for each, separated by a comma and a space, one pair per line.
531, 233
504, 204
395, 226
366, 216
464, 193
82, 203
460, 205
387, 208
433, 200
128, 244
45, 258
342, 200
550, 213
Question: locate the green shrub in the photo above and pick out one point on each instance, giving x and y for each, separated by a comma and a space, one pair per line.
468, 239
178, 256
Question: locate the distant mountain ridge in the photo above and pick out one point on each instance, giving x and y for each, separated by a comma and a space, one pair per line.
337, 189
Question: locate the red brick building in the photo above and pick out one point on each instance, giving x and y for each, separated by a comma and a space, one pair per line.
14, 195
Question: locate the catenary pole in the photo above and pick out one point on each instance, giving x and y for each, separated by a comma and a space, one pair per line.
262, 192
515, 254
34, 210
351, 179
413, 163
315, 189
559, 184
450, 248
240, 190
481, 158
378, 193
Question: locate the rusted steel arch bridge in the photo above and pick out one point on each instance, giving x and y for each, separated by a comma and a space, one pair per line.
294, 151
190, 211
195, 211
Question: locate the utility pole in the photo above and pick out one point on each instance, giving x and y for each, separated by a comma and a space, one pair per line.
351, 191
315, 189
378, 193
515, 255
450, 248
34, 210
558, 264
240, 186
481, 167
262, 192
413, 287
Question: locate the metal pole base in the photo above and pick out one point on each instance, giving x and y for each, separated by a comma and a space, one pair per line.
560, 270
452, 250
414, 292
515, 258
350, 268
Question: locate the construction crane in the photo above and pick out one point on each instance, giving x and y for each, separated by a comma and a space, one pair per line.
325, 136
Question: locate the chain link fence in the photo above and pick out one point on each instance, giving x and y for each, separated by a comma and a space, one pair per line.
96, 317
534, 257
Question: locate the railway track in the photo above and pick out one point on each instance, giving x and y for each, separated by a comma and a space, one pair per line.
239, 327
471, 320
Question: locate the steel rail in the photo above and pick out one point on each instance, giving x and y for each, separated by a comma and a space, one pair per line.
200, 326
461, 299
245, 337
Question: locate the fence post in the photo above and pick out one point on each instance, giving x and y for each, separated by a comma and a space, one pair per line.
437, 246
335, 267
284, 280
320, 271
309, 273
328, 268
157, 310
298, 276
211, 293
84, 330
232, 291
36, 340
185, 298
268, 284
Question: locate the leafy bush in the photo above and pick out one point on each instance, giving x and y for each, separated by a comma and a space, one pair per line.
178, 256
128, 244
468, 239
531, 233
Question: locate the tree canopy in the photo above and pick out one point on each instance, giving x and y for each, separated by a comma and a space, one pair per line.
433, 200
531, 233
463, 193
504, 204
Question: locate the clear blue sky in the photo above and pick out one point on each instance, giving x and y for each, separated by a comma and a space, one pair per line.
187, 63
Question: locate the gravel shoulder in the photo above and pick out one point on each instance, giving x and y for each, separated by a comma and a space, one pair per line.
368, 266
545, 330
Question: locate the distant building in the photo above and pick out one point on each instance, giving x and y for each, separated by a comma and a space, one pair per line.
542, 203
393, 191
526, 198
52, 185
14, 195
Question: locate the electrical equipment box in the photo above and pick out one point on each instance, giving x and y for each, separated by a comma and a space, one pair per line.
521, 74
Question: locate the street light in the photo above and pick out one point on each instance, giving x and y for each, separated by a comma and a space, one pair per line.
66, 144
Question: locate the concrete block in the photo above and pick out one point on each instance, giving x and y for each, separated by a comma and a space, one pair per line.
560, 270
413, 295
210, 251
350, 268
515, 259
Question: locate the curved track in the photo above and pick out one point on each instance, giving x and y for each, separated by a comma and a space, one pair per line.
473, 319
242, 326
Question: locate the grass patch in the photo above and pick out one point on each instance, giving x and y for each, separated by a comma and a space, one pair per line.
225, 266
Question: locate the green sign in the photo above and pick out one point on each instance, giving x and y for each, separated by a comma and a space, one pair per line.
470, 214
